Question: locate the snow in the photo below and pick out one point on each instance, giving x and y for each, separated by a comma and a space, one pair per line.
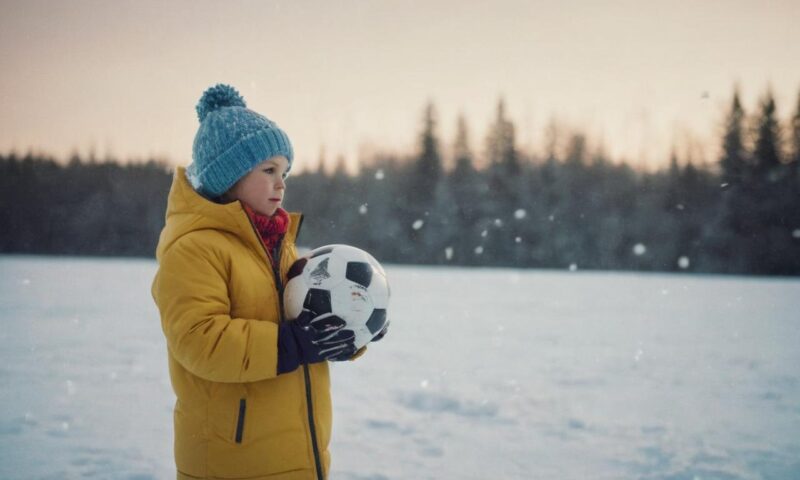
638, 355
520, 213
448, 253
379, 175
639, 249
362, 209
485, 373
683, 262
418, 224
796, 233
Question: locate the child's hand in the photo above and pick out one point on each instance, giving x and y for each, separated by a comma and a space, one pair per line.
313, 338
328, 333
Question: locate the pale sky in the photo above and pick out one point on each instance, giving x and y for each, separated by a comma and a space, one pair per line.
123, 77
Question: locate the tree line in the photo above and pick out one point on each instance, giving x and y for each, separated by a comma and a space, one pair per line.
570, 208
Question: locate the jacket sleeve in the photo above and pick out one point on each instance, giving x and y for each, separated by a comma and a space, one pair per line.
191, 292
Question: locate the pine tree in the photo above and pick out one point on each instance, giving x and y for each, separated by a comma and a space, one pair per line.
428, 169
734, 156
794, 190
729, 236
461, 150
417, 193
769, 197
794, 157
576, 186
672, 198
506, 189
767, 164
501, 147
467, 191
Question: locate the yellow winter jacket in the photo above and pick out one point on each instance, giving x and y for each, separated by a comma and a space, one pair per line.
219, 300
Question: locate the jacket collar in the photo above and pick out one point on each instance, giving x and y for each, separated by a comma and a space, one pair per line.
188, 211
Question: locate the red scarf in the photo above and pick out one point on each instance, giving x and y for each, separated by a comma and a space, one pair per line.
270, 229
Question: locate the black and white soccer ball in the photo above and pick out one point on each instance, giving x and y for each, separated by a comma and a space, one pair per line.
346, 282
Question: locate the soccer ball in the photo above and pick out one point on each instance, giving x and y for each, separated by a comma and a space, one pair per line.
345, 281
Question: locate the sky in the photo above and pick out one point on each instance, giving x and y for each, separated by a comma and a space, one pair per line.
347, 78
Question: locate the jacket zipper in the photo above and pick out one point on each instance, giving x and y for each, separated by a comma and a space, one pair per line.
240, 422
317, 463
306, 373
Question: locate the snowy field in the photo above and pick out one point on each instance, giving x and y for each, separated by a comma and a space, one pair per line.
485, 374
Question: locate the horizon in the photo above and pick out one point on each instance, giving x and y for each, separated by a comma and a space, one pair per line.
353, 79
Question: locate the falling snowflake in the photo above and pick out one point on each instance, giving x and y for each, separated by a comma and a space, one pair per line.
639, 249
572, 267
417, 224
379, 175
796, 233
724, 185
362, 209
478, 250
639, 353
520, 214
679, 206
484, 233
551, 217
518, 239
424, 383
498, 222
683, 262
448, 253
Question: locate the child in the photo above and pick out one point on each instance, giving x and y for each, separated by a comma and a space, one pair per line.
253, 391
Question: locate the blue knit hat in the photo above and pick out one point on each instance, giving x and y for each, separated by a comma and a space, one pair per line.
231, 141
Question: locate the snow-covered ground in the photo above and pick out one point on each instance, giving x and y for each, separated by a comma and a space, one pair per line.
491, 373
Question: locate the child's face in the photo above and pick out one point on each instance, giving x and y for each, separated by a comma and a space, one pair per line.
263, 188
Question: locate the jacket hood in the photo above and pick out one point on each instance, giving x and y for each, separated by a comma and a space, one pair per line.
188, 211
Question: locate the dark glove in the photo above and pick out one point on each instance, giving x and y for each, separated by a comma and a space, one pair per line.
335, 340
313, 338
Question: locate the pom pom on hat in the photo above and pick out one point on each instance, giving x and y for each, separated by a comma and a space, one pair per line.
216, 97
231, 141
